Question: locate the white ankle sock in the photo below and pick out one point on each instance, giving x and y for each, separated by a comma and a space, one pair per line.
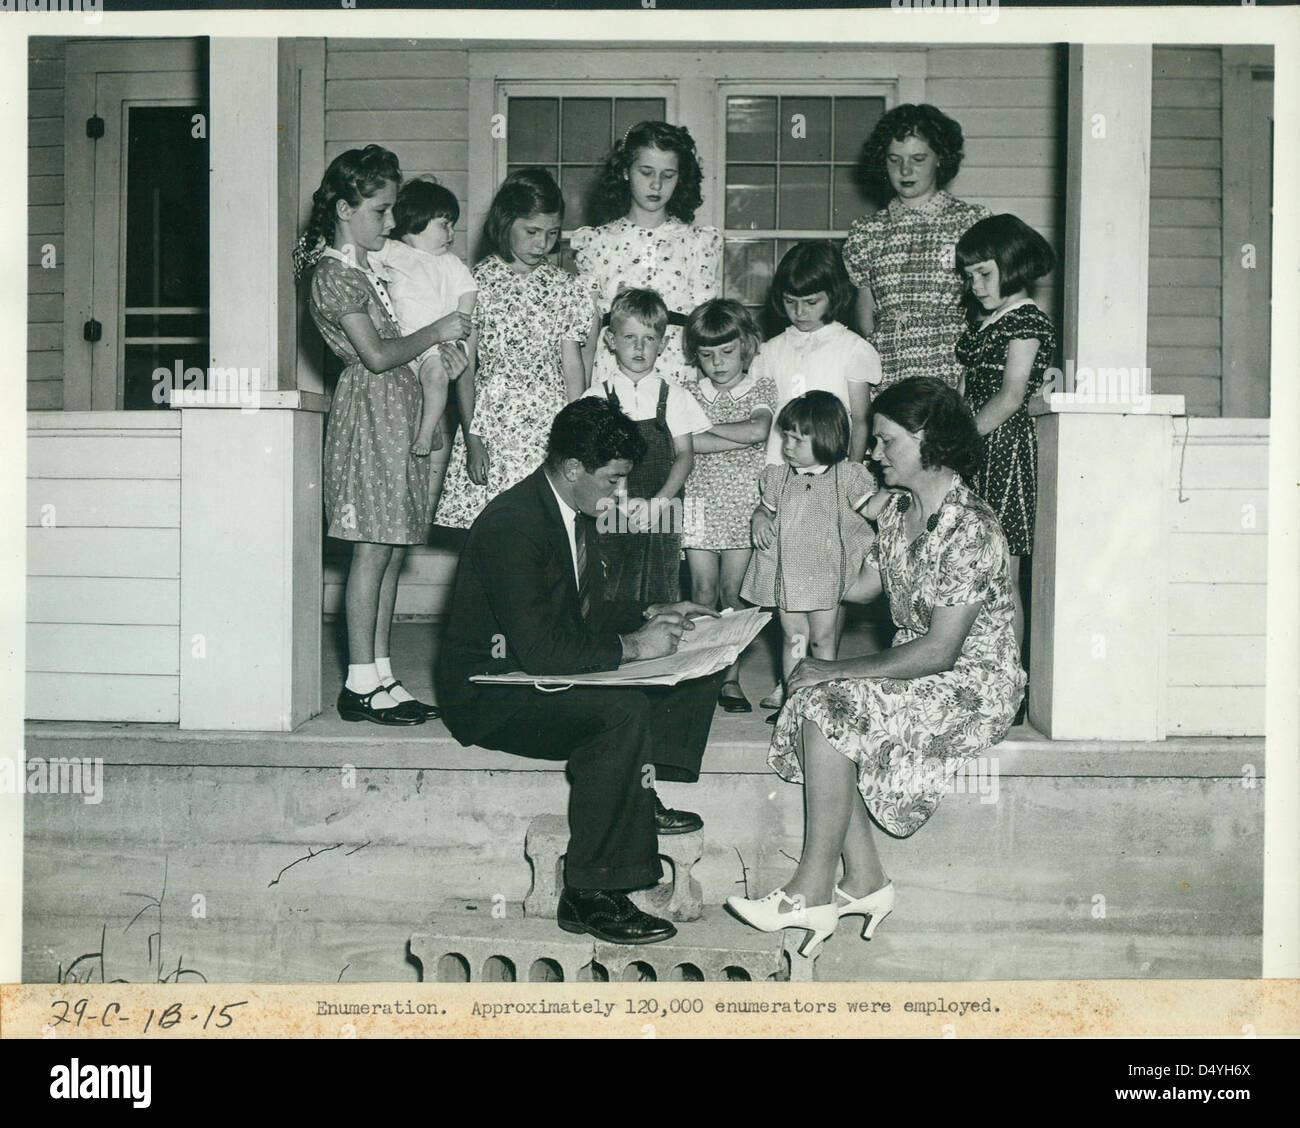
384, 667
362, 679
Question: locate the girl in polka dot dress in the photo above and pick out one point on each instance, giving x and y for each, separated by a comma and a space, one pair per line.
375, 489
1005, 352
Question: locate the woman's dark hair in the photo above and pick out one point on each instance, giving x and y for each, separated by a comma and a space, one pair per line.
352, 176
611, 197
931, 125
717, 322
809, 268
924, 404
1021, 253
525, 192
822, 417
419, 203
595, 432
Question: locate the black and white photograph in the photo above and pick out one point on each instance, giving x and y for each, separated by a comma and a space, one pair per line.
453, 554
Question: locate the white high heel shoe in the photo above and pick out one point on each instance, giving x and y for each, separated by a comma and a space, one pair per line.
765, 914
873, 907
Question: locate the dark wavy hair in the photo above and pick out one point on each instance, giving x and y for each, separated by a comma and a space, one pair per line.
718, 322
1022, 254
927, 122
809, 268
419, 203
924, 404
611, 197
352, 176
822, 417
595, 432
525, 192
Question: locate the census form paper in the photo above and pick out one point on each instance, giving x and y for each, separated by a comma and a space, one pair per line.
713, 645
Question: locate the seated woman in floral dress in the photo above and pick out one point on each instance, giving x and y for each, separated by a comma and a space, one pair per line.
879, 738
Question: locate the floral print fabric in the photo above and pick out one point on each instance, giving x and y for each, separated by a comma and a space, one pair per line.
908, 736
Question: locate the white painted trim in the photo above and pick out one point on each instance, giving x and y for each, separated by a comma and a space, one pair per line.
152, 55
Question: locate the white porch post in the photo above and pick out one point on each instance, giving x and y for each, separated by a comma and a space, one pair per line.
1098, 621
250, 454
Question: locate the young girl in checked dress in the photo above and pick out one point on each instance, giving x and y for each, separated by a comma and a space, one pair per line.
810, 528
1005, 352
721, 339
649, 191
525, 351
376, 491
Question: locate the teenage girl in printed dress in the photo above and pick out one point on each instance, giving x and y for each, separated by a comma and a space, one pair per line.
649, 193
376, 490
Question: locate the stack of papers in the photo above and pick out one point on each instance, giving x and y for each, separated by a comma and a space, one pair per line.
713, 645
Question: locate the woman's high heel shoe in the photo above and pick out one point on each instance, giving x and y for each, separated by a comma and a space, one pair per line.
872, 907
765, 914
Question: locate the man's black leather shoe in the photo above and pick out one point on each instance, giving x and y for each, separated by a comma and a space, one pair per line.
675, 822
609, 916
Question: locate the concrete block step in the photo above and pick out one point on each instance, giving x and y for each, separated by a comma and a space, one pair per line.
460, 944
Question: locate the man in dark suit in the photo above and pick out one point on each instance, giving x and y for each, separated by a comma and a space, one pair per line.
529, 595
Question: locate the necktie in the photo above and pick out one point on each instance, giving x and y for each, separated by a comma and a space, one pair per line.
580, 558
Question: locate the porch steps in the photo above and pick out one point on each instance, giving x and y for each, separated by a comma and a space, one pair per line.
469, 942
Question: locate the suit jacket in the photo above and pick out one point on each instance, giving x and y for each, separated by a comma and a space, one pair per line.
515, 607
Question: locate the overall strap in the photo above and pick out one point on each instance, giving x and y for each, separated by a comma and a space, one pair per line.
661, 409
611, 395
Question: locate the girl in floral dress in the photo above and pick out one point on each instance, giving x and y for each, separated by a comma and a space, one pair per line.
650, 191
525, 350
1005, 353
879, 737
901, 258
376, 491
721, 339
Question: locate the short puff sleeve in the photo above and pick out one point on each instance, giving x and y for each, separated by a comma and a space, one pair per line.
857, 252
706, 275
856, 481
579, 309
580, 243
970, 560
336, 293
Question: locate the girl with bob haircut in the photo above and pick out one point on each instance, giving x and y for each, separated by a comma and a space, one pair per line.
900, 257
645, 203
810, 537
878, 738
721, 340
531, 322
1006, 350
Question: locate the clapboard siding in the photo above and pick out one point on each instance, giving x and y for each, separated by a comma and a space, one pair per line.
1186, 226
45, 196
1217, 577
103, 566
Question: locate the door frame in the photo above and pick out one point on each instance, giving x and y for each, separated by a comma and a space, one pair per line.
177, 63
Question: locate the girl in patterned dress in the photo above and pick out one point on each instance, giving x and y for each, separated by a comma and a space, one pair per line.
1005, 352
721, 339
649, 192
376, 491
525, 350
810, 528
901, 257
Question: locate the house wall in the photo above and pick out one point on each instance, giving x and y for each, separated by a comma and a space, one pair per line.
103, 566
1184, 314
45, 223
1218, 572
